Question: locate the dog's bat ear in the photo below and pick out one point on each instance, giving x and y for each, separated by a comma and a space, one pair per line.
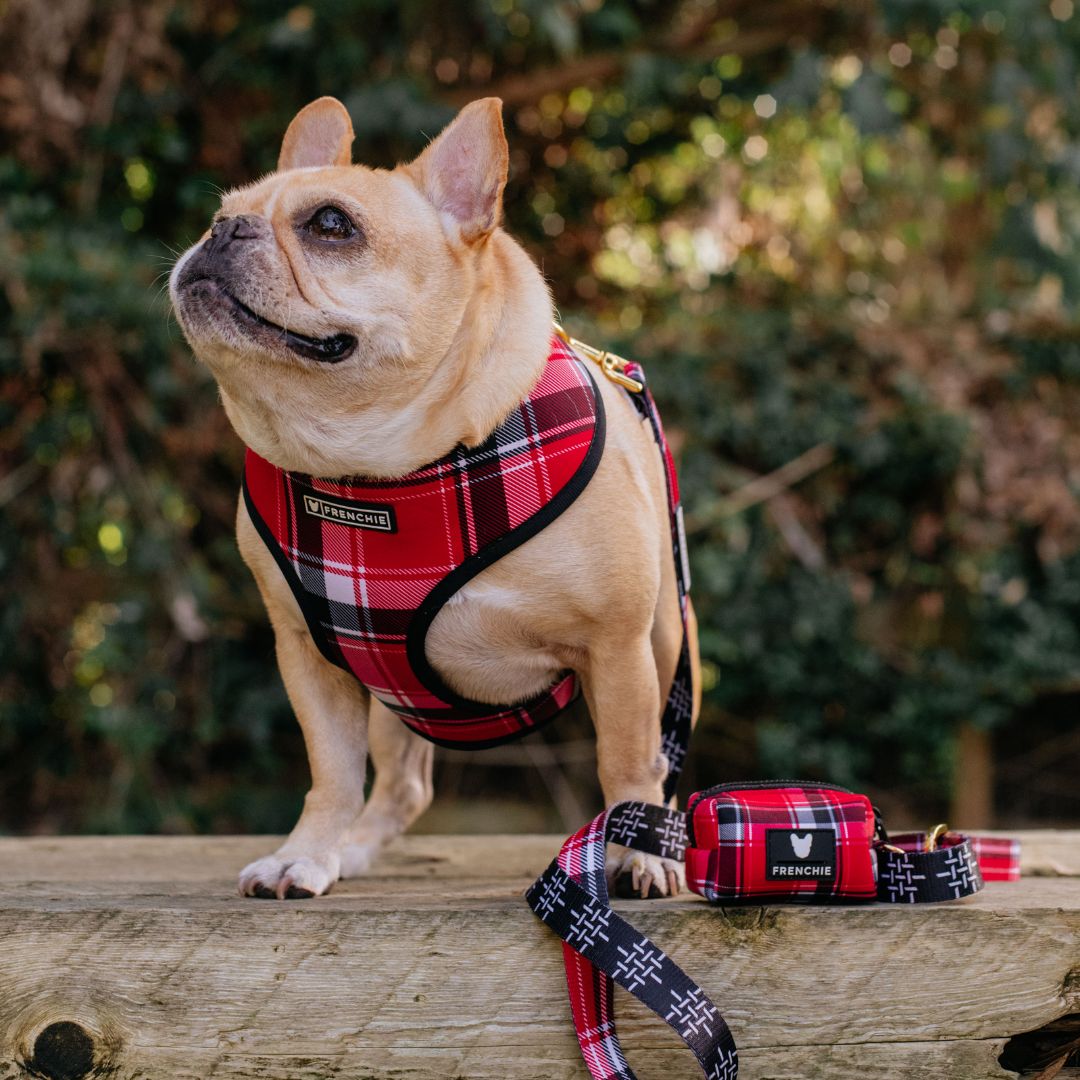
320, 134
463, 171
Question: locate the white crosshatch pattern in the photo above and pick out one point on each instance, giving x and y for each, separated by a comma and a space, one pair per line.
552, 895
603, 943
691, 1013
628, 825
900, 880
638, 963
587, 924
673, 832
961, 871
672, 746
727, 1068
907, 873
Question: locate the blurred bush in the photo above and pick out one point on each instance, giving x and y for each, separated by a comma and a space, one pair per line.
842, 236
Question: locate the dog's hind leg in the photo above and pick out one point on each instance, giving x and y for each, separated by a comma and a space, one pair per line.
401, 793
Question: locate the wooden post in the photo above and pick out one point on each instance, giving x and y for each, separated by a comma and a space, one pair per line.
973, 780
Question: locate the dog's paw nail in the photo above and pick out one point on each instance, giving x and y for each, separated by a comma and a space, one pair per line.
635, 875
276, 878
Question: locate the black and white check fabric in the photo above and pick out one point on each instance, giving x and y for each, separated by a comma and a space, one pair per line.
908, 874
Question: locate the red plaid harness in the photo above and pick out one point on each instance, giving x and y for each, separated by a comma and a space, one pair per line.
372, 562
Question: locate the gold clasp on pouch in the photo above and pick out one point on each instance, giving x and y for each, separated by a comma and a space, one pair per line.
611, 365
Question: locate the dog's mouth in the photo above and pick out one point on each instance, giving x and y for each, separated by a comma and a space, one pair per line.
327, 350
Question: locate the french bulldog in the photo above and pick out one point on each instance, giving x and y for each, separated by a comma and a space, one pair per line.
365, 322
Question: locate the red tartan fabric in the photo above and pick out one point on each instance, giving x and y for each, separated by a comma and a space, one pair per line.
372, 561
591, 991
730, 855
998, 857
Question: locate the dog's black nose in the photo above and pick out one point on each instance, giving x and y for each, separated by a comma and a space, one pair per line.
225, 231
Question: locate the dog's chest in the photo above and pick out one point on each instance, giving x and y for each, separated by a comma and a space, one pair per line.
485, 645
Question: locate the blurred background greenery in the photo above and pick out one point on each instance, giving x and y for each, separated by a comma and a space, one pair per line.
842, 236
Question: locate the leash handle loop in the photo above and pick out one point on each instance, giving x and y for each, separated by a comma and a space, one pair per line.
600, 948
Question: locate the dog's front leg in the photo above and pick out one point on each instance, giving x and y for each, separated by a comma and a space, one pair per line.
332, 709
622, 689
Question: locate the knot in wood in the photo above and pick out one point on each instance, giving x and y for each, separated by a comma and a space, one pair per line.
63, 1051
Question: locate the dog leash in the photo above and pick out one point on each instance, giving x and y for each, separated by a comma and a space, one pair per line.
600, 948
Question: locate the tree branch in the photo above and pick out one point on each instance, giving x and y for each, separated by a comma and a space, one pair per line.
792, 19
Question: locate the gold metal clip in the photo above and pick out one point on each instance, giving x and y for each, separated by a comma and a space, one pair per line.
611, 365
933, 836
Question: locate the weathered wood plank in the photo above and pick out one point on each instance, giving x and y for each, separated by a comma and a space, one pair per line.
1046, 852
896, 1061
436, 968
899, 1061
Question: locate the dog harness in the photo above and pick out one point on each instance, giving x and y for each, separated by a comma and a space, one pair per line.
372, 562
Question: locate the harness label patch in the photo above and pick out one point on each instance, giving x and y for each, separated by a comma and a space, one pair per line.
380, 518
800, 854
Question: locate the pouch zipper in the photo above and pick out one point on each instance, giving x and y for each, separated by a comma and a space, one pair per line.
755, 785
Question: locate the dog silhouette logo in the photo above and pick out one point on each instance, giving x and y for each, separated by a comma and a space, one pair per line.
801, 845
800, 854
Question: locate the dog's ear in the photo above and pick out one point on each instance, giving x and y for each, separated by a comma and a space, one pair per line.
463, 172
320, 134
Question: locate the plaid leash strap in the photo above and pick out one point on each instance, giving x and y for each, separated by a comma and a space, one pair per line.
675, 723
958, 866
998, 857
600, 948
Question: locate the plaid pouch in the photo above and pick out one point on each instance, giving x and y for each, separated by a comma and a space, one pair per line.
781, 842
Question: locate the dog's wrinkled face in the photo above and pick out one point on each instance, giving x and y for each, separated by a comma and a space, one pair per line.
338, 273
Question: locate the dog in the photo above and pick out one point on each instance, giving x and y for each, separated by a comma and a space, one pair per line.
364, 323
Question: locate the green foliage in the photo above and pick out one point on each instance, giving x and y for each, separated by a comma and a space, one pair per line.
863, 244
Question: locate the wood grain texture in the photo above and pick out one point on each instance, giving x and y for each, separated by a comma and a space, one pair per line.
434, 968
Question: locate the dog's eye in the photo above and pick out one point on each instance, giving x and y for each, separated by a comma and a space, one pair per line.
330, 223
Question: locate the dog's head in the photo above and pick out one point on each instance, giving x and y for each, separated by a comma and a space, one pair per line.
327, 279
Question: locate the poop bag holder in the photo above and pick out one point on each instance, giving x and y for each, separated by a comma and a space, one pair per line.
785, 841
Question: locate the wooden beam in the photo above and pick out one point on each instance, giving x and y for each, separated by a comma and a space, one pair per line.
434, 968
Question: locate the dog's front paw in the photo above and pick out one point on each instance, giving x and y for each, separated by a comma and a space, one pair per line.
632, 874
278, 877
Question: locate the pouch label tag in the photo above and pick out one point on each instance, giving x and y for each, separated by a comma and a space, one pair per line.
800, 854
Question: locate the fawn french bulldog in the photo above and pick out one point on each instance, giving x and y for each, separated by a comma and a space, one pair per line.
380, 325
